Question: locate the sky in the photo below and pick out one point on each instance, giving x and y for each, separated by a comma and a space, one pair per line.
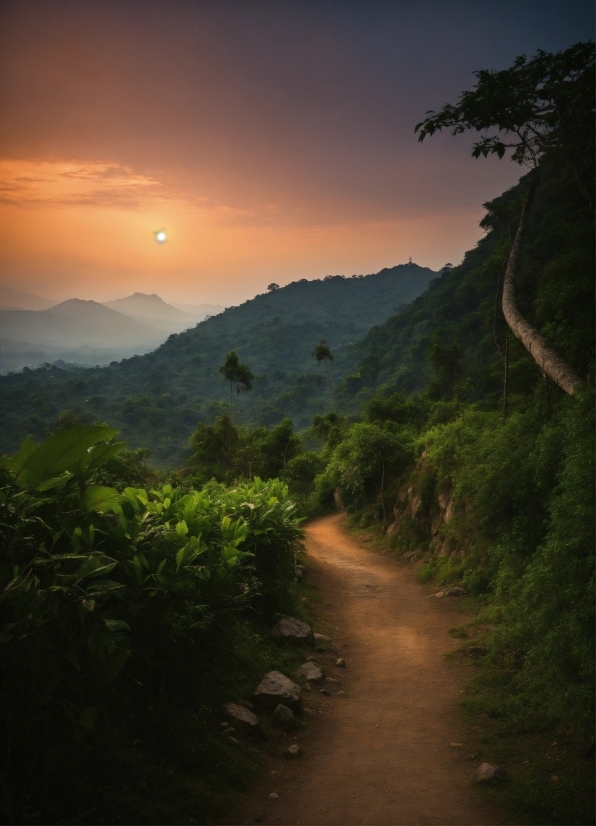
269, 139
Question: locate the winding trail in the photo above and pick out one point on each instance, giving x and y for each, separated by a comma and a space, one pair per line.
388, 746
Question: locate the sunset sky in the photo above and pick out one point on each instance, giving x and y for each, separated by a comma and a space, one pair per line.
269, 139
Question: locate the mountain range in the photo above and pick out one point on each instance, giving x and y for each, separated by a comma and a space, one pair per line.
86, 332
158, 398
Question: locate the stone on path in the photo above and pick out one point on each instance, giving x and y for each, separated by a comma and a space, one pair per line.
292, 630
321, 638
274, 796
487, 772
242, 717
283, 716
477, 651
311, 672
292, 751
451, 592
276, 688
340, 663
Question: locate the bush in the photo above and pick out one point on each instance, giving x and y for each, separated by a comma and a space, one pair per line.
103, 592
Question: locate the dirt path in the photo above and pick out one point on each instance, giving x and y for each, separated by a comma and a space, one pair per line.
379, 749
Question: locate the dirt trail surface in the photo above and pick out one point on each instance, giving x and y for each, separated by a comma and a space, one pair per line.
387, 746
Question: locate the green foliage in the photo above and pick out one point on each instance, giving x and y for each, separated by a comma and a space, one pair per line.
367, 453
537, 105
239, 377
301, 472
225, 452
100, 588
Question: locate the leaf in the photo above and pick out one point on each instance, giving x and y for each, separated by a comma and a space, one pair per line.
61, 452
101, 454
88, 716
228, 552
118, 663
58, 482
104, 586
182, 528
96, 566
102, 499
14, 463
116, 625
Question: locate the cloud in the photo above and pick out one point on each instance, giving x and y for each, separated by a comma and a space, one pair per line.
74, 183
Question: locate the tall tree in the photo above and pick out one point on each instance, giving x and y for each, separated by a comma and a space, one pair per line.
323, 355
239, 377
540, 107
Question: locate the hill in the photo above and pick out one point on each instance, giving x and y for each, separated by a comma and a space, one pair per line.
76, 323
455, 324
80, 331
152, 308
157, 399
11, 299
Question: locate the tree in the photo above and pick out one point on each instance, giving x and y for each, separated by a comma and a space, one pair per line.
301, 471
540, 107
238, 375
323, 355
367, 459
272, 287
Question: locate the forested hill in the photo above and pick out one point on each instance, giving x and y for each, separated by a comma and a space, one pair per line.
157, 399
453, 336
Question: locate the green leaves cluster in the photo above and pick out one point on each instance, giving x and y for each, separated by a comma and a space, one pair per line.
98, 586
537, 105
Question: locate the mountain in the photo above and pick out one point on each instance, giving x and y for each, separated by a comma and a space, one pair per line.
141, 305
75, 323
11, 299
158, 398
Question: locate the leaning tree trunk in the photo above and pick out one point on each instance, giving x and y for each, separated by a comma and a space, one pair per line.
549, 361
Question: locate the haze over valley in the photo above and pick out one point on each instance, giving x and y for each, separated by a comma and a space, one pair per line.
87, 333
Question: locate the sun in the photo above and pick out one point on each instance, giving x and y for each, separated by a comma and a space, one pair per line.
161, 237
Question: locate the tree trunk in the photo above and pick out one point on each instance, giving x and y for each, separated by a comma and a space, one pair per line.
506, 377
549, 361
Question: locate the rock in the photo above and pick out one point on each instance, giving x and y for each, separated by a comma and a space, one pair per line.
242, 717
232, 741
340, 663
299, 571
332, 680
321, 638
307, 687
283, 716
311, 672
274, 796
292, 751
326, 692
487, 772
477, 651
292, 630
276, 688
451, 592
